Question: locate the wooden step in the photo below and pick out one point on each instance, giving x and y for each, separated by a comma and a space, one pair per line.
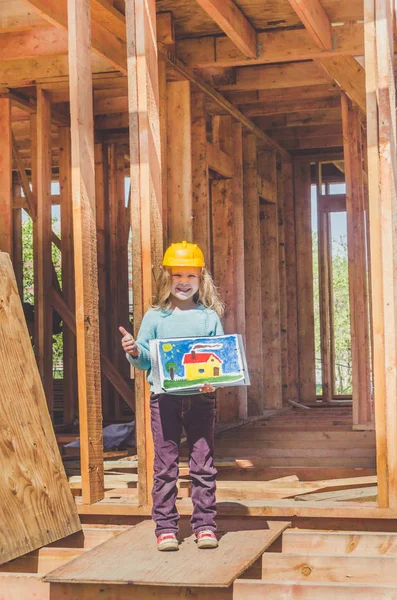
254, 589
132, 556
357, 543
340, 569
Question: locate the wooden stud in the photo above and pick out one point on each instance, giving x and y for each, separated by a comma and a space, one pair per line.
179, 161
270, 282
231, 20
349, 75
6, 242
43, 310
145, 166
252, 269
200, 184
315, 20
17, 243
291, 282
283, 282
102, 227
85, 251
68, 292
304, 265
163, 111
358, 291
325, 292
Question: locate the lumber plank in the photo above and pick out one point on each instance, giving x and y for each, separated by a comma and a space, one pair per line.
145, 172
6, 231
146, 566
15, 586
315, 20
179, 161
357, 543
273, 46
200, 184
219, 161
357, 257
306, 590
85, 251
30, 434
304, 275
232, 21
43, 310
349, 75
252, 262
353, 569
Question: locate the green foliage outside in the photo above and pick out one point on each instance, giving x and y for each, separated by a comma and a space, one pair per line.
342, 339
28, 287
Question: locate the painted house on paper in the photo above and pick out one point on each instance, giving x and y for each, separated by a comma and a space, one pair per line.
199, 365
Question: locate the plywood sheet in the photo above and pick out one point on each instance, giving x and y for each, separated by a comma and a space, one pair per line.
36, 505
132, 558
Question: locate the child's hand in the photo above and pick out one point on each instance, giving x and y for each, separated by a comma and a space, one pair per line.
129, 344
207, 388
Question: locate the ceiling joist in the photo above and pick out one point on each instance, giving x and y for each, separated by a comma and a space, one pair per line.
232, 21
315, 20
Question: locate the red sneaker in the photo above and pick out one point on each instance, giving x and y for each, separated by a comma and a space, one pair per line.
167, 542
206, 539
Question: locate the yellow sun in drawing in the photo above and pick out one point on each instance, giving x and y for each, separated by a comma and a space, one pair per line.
167, 347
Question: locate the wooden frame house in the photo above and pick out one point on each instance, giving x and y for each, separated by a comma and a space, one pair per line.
142, 122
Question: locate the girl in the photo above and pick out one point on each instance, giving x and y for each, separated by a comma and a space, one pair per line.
187, 305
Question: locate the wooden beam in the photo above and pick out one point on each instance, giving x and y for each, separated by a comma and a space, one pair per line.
179, 161
6, 242
304, 262
104, 43
281, 192
315, 20
270, 282
145, 166
358, 290
219, 161
200, 183
43, 311
252, 268
85, 251
29, 197
291, 282
68, 291
232, 21
273, 46
349, 75
32, 43
219, 99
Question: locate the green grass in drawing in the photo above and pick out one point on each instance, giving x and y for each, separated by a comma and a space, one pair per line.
191, 383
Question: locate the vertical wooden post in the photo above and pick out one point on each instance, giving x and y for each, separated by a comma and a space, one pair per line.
283, 281
85, 250
102, 226
180, 222
17, 242
238, 223
43, 309
163, 115
381, 132
325, 292
145, 160
200, 184
33, 138
271, 332
291, 282
252, 269
356, 245
118, 242
5, 177
304, 262
68, 292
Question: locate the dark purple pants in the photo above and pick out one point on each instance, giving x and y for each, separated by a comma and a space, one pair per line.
197, 415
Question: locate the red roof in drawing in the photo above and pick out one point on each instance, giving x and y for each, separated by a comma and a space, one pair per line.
199, 357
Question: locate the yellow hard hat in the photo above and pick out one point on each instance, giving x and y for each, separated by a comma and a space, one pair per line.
183, 255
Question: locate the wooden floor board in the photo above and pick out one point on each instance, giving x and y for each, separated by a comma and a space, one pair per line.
107, 563
292, 590
355, 543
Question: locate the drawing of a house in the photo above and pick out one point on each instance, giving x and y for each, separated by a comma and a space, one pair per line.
200, 365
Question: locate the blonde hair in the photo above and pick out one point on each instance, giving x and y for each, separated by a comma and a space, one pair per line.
207, 293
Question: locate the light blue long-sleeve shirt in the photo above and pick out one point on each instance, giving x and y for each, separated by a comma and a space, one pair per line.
162, 324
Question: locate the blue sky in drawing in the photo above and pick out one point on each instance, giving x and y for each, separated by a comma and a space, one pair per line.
175, 349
